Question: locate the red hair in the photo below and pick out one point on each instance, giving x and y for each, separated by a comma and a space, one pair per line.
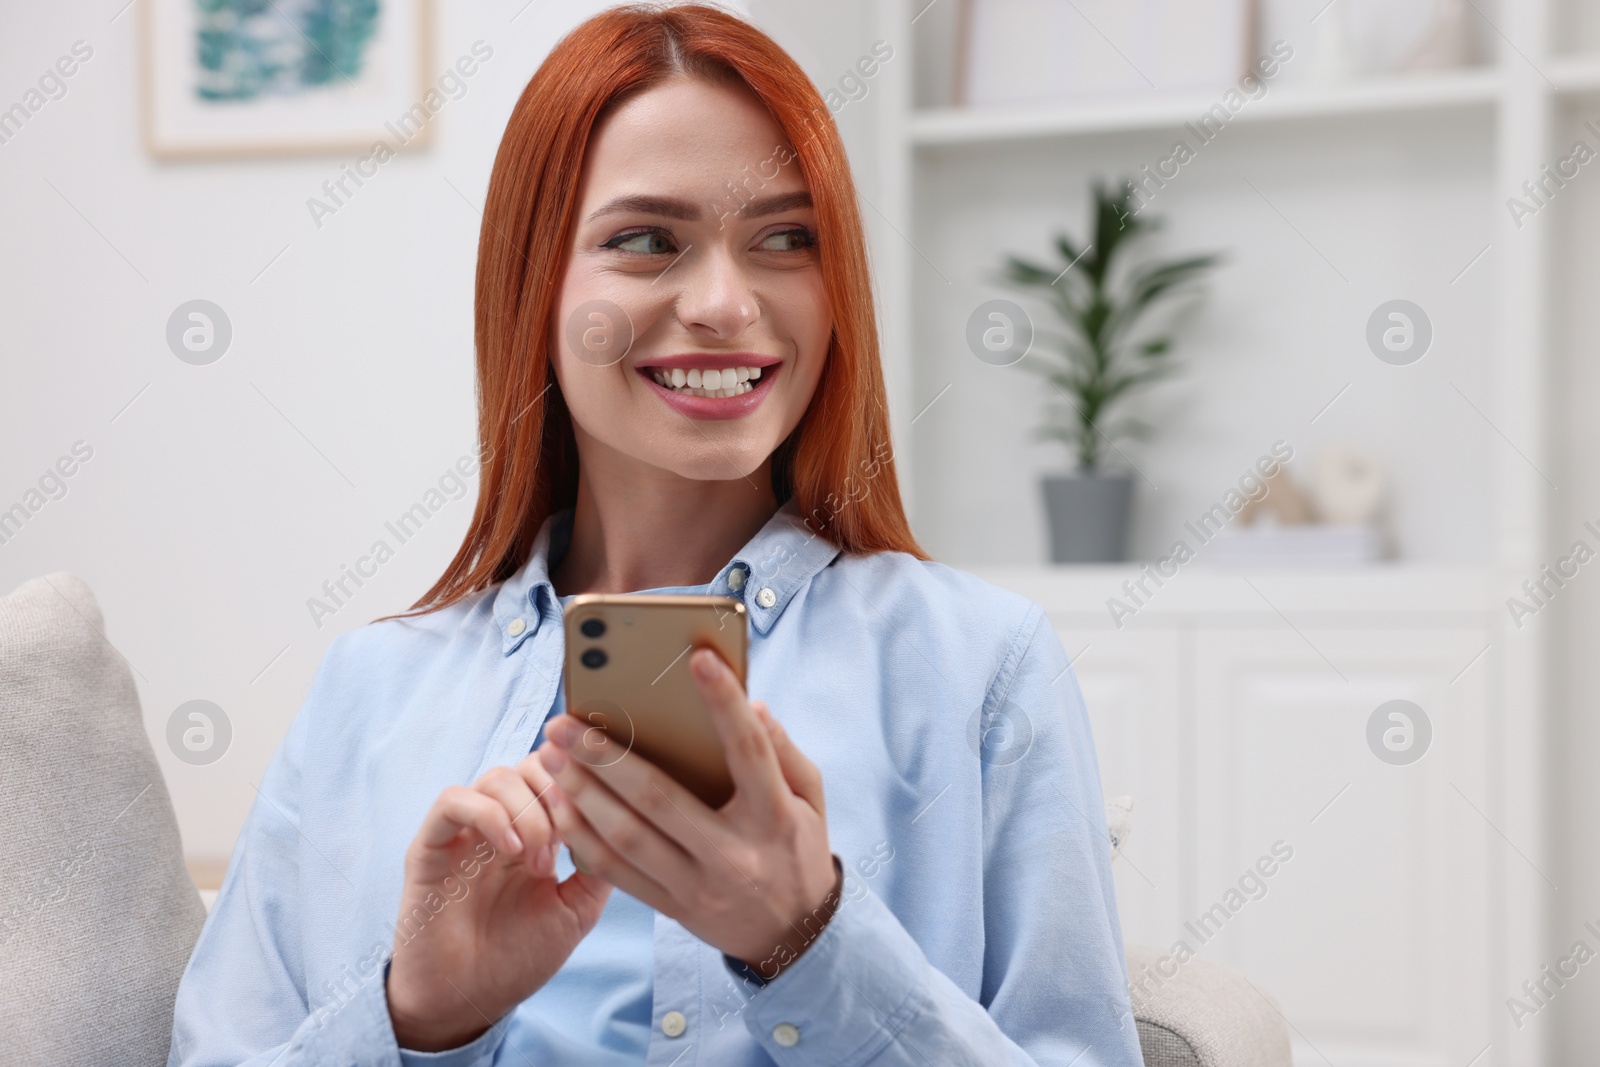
837, 463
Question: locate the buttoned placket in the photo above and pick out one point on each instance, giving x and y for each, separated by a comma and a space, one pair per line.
677, 1010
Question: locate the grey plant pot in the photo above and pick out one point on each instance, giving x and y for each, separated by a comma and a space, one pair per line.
1088, 516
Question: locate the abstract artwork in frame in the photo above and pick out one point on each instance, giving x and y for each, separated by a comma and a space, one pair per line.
282, 77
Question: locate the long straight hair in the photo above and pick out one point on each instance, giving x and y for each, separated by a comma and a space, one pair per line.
837, 464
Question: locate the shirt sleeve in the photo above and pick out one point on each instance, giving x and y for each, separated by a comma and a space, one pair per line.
1055, 988
242, 1000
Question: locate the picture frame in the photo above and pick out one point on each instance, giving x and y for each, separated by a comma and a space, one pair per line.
1041, 52
242, 78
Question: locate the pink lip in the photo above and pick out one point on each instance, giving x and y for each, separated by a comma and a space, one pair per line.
714, 407
708, 361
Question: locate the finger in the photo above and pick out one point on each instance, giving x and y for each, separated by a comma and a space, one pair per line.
527, 816
665, 803
751, 761
540, 782
798, 770
599, 859
622, 828
459, 808
585, 896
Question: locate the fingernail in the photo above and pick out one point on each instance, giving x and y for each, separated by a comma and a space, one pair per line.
704, 664
513, 842
555, 732
554, 760
575, 862
546, 860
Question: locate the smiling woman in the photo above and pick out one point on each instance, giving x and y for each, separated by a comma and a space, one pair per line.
678, 397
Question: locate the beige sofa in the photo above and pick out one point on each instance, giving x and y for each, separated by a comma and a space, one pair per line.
98, 914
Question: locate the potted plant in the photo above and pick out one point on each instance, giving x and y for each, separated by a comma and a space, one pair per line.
1111, 347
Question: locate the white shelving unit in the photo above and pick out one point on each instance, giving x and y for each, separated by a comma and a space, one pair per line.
973, 126
1471, 826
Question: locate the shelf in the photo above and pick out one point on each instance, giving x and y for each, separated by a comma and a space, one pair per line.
949, 127
1575, 74
1391, 590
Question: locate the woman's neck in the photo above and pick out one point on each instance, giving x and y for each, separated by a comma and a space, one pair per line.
644, 528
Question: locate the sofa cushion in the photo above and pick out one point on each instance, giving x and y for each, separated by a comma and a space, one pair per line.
1198, 1013
97, 914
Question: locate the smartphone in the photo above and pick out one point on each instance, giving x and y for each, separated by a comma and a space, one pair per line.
627, 672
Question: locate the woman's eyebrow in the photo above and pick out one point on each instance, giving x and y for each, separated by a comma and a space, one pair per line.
667, 206
673, 208
772, 205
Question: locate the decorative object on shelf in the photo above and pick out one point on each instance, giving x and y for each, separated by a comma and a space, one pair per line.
1282, 499
1449, 42
1352, 39
1338, 527
1052, 51
1109, 352
1347, 484
243, 77
1119, 822
1332, 59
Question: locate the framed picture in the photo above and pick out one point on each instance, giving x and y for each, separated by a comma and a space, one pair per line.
281, 77
1058, 51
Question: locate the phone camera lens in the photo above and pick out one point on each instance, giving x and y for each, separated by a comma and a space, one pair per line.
592, 627
594, 658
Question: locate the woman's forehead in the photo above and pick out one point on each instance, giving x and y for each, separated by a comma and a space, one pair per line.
689, 134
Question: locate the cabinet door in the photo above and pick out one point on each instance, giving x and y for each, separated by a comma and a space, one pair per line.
1133, 683
1374, 936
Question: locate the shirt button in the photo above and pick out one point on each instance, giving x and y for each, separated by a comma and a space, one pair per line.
786, 1034
766, 598
736, 579
516, 627
673, 1024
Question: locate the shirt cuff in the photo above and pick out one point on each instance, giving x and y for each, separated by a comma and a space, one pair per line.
472, 1054
476, 1053
847, 997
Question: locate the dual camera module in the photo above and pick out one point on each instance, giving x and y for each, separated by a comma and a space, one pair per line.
593, 658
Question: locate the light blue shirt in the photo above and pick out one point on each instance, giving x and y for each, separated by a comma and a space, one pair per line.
979, 924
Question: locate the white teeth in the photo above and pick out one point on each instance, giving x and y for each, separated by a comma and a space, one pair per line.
726, 382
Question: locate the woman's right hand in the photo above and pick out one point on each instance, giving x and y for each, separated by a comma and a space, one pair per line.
483, 922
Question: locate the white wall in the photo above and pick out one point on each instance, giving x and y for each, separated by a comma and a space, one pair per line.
219, 501
1397, 205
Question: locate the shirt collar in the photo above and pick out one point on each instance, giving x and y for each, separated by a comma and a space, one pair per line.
765, 574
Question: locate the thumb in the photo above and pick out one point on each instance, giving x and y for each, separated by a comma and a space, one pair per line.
585, 896
801, 774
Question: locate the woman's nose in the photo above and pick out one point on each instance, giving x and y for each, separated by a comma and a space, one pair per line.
716, 297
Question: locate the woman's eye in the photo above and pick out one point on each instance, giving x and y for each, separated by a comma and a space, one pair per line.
649, 242
793, 240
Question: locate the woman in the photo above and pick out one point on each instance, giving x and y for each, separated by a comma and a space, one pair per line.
670, 231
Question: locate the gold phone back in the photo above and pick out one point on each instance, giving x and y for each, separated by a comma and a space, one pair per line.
642, 694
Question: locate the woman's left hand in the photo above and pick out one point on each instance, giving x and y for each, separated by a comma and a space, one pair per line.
754, 878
